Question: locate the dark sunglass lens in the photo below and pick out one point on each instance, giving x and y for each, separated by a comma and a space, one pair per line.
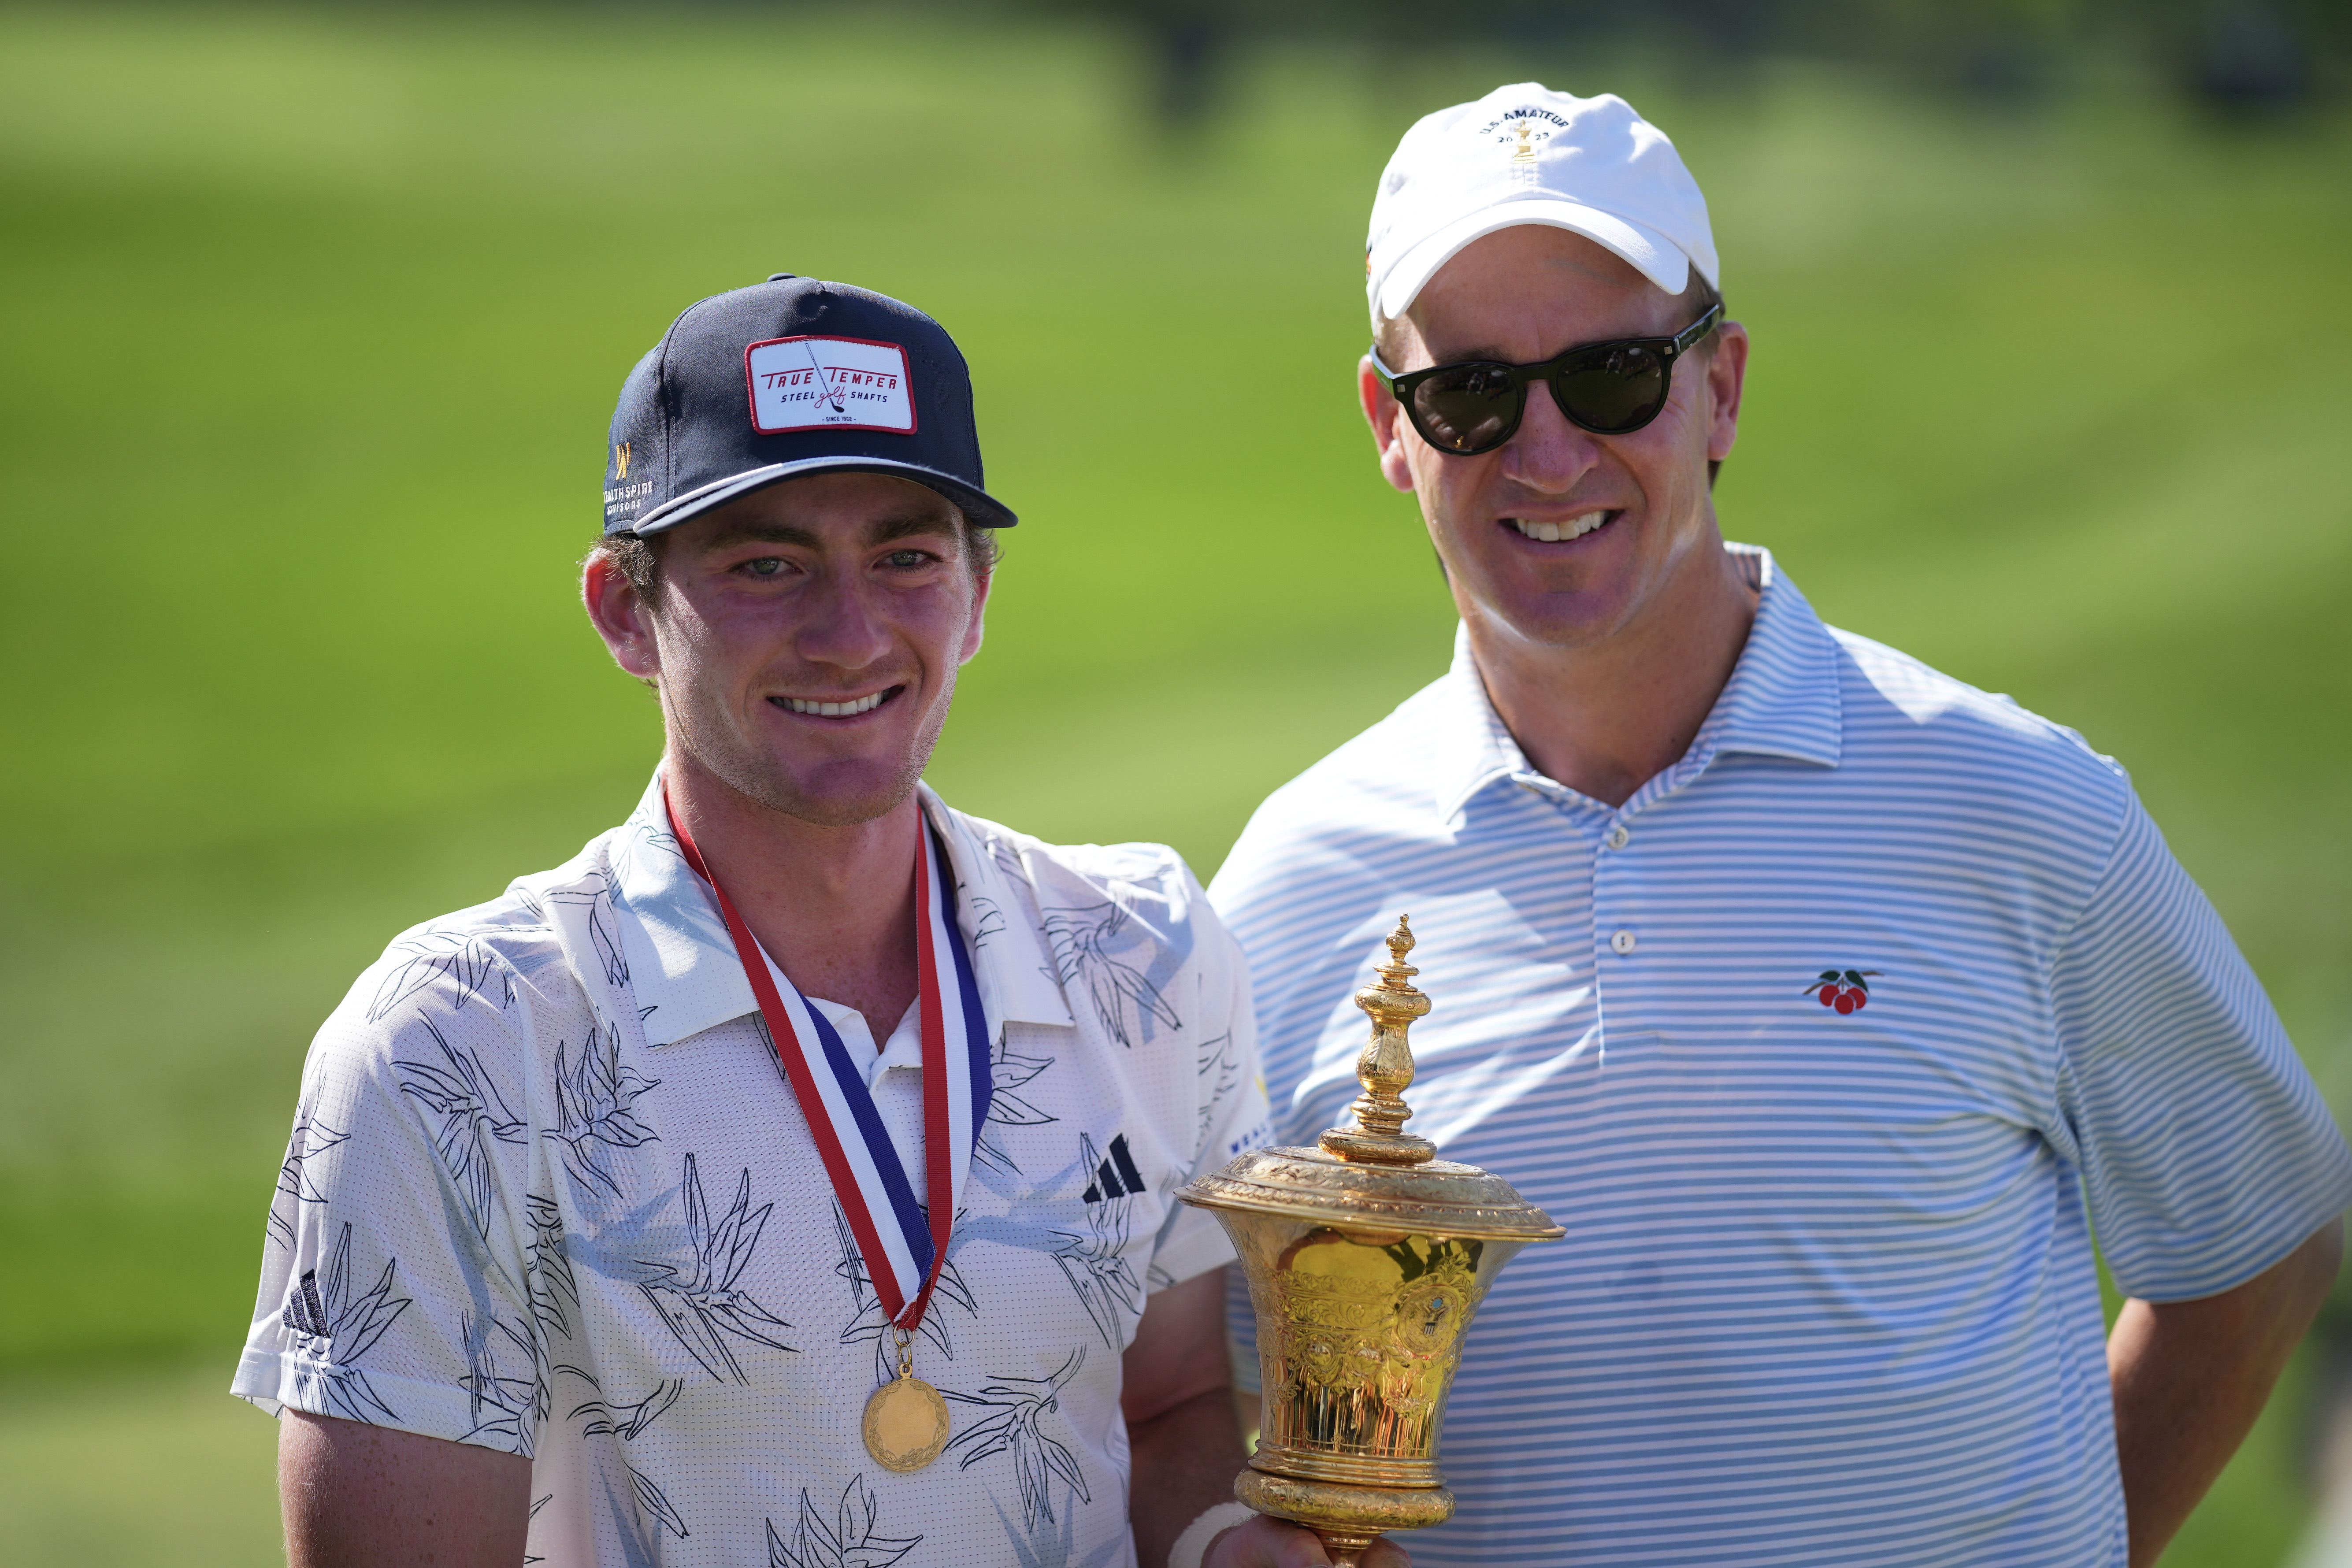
1612, 391
1467, 407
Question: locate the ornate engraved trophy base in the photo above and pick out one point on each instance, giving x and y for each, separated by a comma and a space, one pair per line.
1366, 1258
1348, 1520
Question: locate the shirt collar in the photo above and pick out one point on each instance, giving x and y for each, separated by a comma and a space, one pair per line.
1472, 734
993, 900
682, 965
1782, 699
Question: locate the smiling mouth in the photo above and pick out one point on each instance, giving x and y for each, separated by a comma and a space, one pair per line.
1554, 533
846, 707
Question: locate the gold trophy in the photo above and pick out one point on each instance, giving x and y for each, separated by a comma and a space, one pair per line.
1366, 1259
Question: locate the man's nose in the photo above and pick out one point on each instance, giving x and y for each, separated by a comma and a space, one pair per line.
841, 627
1547, 453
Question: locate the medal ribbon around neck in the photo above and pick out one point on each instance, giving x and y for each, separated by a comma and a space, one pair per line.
903, 1255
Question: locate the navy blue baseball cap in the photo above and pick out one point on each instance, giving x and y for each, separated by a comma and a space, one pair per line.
785, 378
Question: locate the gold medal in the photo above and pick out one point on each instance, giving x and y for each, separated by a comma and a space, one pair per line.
907, 1419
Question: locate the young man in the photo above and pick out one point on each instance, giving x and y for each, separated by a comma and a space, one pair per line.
1812, 990
788, 1179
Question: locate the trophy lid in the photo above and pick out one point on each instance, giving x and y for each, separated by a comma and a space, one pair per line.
1373, 1175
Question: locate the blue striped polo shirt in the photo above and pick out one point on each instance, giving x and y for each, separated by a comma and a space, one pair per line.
1827, 1294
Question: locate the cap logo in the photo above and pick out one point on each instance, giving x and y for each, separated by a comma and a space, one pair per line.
621, 462
1523, 131
829, 383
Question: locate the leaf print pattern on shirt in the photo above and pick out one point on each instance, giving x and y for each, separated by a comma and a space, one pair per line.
654, 834
547, 1269
1008, 1072
628, 1422
330, 1321
1022, 1405
655, 1505
310, 1137
594, 893
701, 1305
846, 1540
1085, 944
505, 1402
472, 1112
1058, 1549
1095, 1264
870, 1321
596, 1097
622, 1421
987, 919
1221, 1070
463, 956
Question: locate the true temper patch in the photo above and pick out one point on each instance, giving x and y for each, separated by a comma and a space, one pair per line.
840, 383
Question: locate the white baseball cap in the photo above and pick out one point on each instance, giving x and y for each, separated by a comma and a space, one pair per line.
1527, 155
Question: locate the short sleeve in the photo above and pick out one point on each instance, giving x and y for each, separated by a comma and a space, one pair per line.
396, 1273
2205, 1149
1231, 1102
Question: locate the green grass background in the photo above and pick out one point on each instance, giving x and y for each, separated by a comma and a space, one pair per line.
312, 321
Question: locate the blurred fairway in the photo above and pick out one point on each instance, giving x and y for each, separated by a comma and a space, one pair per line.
313, 322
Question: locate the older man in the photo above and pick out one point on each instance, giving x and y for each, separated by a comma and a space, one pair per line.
789, 1179
1833, 1005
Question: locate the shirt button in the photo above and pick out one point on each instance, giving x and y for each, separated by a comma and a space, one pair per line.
1622, 943
1618, 835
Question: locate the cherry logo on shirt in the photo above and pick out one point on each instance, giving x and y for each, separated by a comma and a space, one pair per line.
1847, 990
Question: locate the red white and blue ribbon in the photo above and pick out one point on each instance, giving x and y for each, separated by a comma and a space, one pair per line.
903, 1251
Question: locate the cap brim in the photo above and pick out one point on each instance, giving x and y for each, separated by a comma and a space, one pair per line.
1652, 253
981, 508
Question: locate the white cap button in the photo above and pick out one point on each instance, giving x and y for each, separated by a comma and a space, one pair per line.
1622, 943
1618, 835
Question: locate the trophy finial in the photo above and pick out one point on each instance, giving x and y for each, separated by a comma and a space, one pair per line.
1385, 1067
1399, 943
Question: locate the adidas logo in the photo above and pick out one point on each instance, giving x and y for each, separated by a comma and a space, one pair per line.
1115, 1176
303, 1313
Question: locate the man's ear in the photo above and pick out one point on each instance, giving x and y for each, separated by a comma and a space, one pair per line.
1386, 416
1727, 381
621, 617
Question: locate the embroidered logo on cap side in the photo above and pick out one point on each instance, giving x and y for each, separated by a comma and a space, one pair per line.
623, 499
829, 383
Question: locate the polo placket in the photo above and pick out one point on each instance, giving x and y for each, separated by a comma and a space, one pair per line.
1614, 931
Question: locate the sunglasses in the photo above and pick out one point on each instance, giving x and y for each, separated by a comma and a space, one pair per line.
1610, 389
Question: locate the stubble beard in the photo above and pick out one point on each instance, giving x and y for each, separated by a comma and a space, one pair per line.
722, 752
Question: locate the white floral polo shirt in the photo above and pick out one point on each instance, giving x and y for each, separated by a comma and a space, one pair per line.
549, 1191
